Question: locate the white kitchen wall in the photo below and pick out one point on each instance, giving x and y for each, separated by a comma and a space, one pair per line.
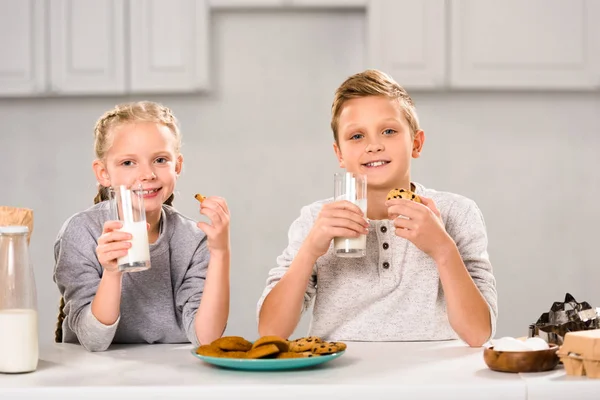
261, 139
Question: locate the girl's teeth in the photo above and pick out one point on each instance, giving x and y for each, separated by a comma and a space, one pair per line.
376, 164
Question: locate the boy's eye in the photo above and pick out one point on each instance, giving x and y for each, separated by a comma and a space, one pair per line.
161, 160
356, 136
127, 163
389, 132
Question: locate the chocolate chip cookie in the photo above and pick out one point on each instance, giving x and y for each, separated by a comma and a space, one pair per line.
403, 194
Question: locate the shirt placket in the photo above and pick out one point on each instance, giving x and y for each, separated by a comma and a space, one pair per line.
384, 239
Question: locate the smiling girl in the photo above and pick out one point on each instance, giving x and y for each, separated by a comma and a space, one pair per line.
184, 297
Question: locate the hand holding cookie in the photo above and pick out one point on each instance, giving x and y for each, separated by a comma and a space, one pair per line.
397, 198
417, 219
217, 232
337, 219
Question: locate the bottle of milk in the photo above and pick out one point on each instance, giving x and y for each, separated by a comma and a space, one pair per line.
18, 303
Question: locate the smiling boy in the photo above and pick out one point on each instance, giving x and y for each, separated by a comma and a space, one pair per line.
426, 275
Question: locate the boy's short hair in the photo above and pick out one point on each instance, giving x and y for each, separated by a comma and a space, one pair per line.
372, 83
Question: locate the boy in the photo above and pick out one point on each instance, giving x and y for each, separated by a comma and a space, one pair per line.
426, 275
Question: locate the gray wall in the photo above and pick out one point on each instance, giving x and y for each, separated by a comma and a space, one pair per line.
261, 139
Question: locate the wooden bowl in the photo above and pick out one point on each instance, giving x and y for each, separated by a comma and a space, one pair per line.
521, 361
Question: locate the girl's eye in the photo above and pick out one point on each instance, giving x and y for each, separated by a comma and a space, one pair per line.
161, 160
356, 136
127, 163
389, 132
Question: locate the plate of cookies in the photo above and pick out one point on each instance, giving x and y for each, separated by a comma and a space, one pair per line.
269, 353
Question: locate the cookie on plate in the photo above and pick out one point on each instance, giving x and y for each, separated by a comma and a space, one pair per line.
291, 354
340, 345
282, 344
234, 354
304, 344
326, 348
232, 343
263, 351
209, 350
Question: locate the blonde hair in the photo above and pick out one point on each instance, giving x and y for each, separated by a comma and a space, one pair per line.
372, 83
142, 111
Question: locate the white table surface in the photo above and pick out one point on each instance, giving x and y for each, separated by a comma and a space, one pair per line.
424, 370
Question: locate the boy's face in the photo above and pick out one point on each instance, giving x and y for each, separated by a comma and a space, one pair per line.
374, 139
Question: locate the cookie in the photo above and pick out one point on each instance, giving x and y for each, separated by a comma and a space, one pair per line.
263, 351
199, 197
232, 343
291, 354
208, 350
403, 194
340, 345
309, 354
304, 344
325, 348
282, 344
234, 354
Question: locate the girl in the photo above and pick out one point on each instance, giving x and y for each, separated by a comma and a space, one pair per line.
184, 296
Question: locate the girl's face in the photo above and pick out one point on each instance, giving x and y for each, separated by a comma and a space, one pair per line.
142, 152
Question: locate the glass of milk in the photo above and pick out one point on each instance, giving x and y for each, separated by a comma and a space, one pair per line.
127, 206
18, 303
353, 188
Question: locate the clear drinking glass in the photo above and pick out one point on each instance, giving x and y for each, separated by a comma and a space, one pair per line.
353, 188
19, 346
127, 206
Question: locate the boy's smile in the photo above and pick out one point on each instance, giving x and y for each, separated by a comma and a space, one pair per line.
376, 163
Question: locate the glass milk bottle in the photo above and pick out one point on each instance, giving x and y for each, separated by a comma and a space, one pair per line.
18, 303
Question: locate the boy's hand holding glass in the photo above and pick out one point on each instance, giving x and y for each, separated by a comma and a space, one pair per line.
337, 219
351, 187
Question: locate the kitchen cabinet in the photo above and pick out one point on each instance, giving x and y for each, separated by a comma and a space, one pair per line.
169, 46
534, 44
23, 61
407, 39
87, 47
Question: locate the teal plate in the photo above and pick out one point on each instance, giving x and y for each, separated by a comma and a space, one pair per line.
268, 364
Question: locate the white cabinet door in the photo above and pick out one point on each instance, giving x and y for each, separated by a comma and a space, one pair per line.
246, 4
533, 44
87, 46
407, 40
276, 4
23, 60
169, 45
334, 4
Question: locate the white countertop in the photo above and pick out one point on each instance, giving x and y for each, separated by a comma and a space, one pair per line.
424, 370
